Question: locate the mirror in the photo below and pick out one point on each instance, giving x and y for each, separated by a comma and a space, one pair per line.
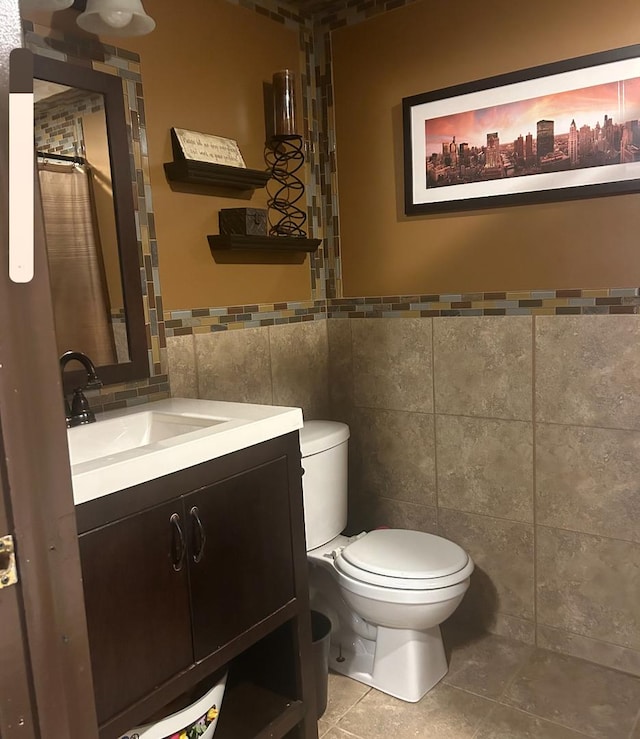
88, 202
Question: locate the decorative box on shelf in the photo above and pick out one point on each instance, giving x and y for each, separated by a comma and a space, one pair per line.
246, 221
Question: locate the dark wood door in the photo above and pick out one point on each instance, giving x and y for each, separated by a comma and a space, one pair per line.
241, 561
137, 604
44, 655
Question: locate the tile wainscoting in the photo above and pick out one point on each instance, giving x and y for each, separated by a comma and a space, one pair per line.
281, 365
516, 437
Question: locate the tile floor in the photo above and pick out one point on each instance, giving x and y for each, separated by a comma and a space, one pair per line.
496, 688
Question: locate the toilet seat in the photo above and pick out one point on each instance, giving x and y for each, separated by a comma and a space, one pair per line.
404, 560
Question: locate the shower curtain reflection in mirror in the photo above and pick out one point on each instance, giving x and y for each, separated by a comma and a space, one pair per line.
76, 265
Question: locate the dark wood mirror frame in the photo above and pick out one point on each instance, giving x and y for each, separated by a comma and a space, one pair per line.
85, 78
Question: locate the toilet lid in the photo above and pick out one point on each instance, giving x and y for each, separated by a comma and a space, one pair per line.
404, 559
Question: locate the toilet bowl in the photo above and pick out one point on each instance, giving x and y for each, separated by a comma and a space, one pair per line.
386, 592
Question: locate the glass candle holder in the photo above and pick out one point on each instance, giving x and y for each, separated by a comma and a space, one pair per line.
284, 109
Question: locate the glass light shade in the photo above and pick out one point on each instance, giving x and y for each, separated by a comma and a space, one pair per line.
116, 18
45, 4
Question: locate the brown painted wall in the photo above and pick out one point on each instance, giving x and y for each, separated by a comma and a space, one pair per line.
426, 46
203, 69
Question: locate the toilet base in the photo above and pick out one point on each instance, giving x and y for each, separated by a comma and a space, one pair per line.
401, 662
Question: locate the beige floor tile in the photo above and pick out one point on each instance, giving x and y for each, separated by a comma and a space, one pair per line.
508, 723
343, 693
444, 713
580, 695
511, 627
636, 734
336, 733
485, 666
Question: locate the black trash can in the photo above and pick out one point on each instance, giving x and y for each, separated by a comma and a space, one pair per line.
320, 638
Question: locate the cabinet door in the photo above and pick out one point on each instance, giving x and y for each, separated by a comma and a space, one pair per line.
137, 604
240, 553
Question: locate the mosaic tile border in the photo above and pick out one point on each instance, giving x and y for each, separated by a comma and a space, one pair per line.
517, 303
312, 131
126, 395
207, 320
125, 65
614, 301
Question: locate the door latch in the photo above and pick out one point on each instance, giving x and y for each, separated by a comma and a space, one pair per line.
8, 568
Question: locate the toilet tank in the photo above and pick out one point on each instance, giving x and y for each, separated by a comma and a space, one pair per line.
324, 484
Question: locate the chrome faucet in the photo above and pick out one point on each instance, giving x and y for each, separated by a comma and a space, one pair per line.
78, 411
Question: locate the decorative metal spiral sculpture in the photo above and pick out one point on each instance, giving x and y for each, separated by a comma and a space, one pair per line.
284, 156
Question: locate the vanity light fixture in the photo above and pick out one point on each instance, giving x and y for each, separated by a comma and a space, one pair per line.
116, 18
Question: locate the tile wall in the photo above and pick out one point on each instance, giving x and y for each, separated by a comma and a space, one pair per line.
280, 365
519, 438
58, 121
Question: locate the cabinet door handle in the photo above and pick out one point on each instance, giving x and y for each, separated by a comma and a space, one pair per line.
199, 537
178, 549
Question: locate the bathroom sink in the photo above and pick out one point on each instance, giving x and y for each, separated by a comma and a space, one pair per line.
130, 446
109, 437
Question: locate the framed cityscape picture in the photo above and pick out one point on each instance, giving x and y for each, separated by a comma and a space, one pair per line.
561, 131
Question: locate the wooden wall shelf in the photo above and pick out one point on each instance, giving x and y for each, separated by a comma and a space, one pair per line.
205, 173
235, 242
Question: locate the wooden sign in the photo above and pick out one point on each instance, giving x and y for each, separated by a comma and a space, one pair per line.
204, 147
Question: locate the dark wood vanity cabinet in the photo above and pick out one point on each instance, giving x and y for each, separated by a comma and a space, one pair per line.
137, 608
239, 525
196, 572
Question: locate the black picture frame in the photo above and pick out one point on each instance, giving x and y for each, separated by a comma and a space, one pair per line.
476, 172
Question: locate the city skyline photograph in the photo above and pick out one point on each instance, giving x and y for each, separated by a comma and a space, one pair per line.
620, 100
563, 130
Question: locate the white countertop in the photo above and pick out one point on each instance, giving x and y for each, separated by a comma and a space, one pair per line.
122, 460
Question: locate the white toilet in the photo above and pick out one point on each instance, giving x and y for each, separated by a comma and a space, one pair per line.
387, 591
